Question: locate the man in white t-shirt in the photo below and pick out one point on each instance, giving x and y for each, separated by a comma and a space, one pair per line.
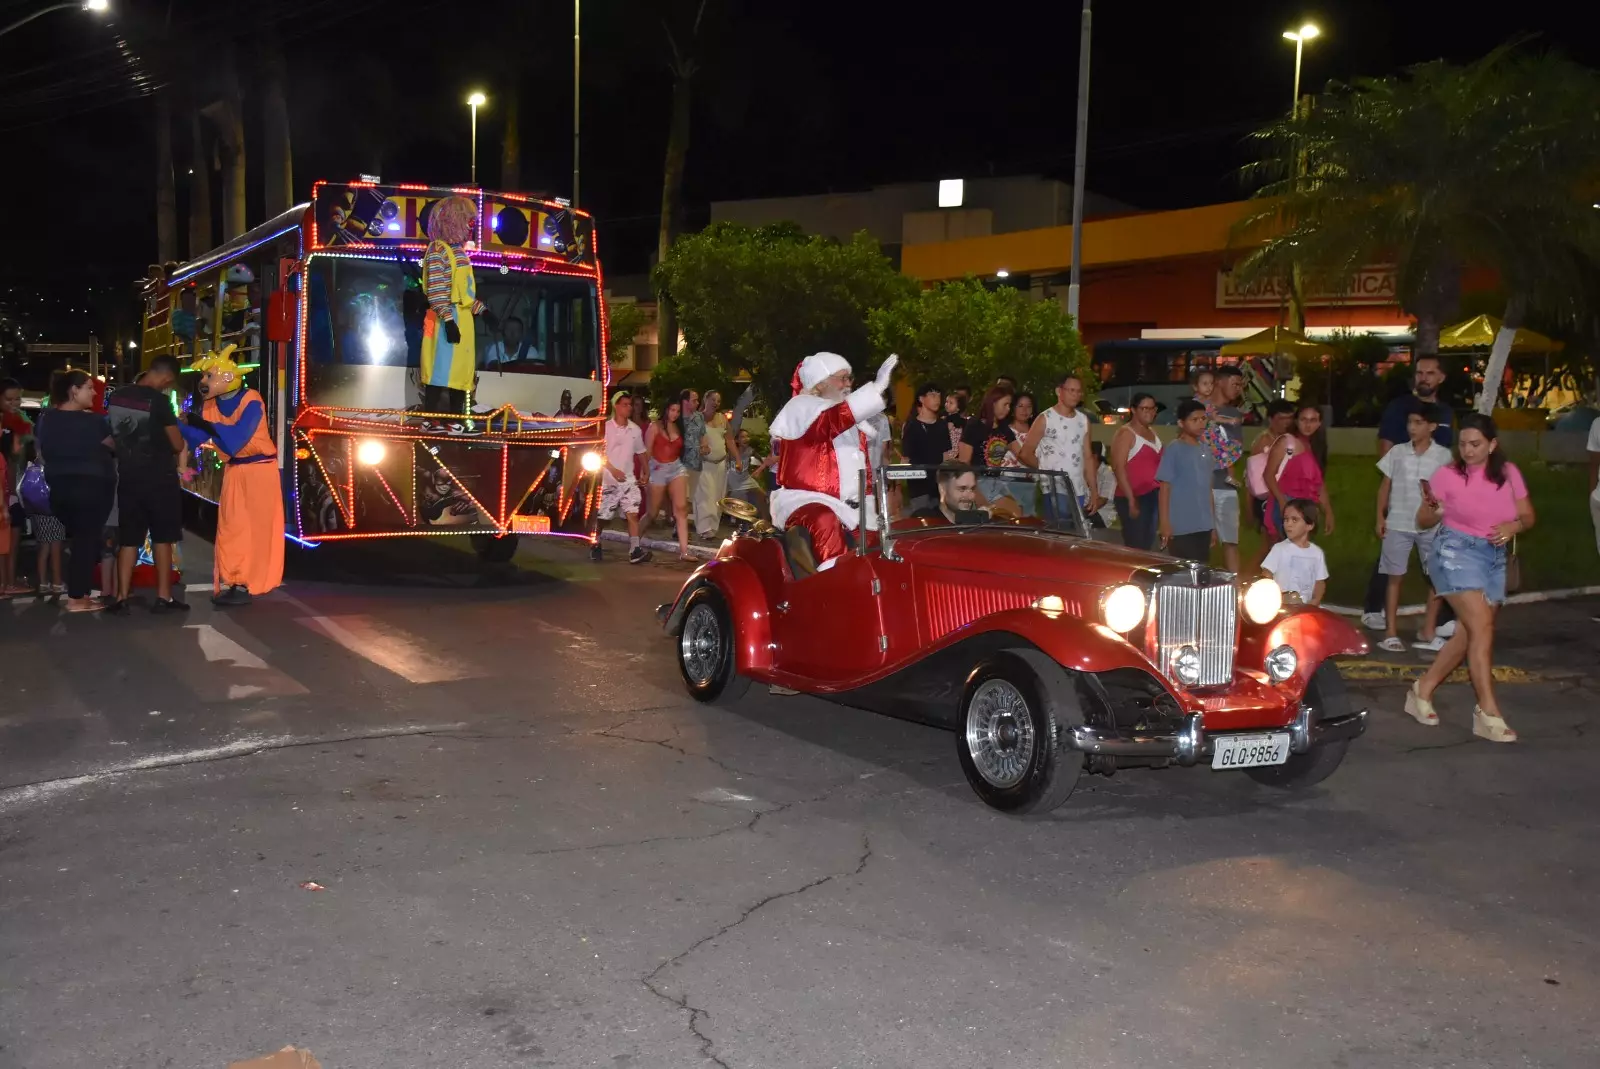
1405, 468
1059, 441
619, 479
1594, 484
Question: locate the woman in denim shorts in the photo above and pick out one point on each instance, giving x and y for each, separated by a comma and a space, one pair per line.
1480, 504
669, 479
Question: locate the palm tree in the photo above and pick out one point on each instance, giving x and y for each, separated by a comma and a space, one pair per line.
1435, 170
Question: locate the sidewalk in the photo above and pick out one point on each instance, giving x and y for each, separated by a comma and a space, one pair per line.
1548, 640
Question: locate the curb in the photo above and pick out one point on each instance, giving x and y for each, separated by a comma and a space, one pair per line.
1532, 597
702, 552
1370, 670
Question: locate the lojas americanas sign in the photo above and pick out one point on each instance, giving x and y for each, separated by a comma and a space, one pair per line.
1374, 285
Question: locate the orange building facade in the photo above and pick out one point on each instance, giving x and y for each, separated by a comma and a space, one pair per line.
1159, 275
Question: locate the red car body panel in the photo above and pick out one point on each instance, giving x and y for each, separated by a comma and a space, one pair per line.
871, 616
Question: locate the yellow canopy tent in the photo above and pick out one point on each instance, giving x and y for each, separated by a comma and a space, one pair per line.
1479, 333
1276, 341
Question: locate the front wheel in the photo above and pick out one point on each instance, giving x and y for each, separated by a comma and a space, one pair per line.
1329, 700
494, 549
706, 649
1013, 748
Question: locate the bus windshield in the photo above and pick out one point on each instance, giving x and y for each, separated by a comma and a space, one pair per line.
537, 343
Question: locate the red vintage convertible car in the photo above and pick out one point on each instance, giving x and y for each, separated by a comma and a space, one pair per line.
1049, 653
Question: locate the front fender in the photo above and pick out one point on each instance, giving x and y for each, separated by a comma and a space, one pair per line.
1074, 643
1315, 633
746, 599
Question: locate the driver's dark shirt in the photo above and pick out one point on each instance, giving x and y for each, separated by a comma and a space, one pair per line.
963, 516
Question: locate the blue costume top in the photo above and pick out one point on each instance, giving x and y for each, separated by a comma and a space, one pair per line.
233, 436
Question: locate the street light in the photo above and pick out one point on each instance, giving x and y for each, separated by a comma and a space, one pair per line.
98, 7
1299, 37
475, 101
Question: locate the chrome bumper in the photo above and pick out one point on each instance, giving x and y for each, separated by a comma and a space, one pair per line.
1190, 744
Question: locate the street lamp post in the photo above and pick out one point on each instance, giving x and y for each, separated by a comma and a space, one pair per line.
475, 101
1080, 154
1299, 37
99, 7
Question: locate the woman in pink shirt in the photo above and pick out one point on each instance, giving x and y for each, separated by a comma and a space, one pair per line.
1481, 504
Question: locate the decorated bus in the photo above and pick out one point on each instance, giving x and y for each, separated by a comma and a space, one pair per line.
432, 360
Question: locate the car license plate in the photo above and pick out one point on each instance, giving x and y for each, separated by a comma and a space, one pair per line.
1249, 751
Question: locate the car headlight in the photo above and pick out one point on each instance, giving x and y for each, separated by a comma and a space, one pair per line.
1263, 600
371, 452
1282, 662
1186, 665
593, 462
1123, 608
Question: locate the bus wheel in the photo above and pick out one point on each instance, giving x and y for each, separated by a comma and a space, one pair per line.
494, 549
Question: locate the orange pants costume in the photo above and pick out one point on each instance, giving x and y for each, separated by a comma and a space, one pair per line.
249, 550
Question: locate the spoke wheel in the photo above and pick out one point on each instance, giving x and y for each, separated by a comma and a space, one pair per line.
1011, 739
706, 646
700, 645
1000, 733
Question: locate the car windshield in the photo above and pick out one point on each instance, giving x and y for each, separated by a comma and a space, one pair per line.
913, 497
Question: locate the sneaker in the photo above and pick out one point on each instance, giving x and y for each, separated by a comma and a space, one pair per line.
117, 608
233, 595
1374, 621
1392, 645
166, 605
594, 553
1446, 630
1432, 645
638, 555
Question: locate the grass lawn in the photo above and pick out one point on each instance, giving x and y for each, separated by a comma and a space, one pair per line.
1559, 552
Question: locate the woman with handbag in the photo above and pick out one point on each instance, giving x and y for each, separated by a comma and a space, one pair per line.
1480, 504
48, 532
76, 447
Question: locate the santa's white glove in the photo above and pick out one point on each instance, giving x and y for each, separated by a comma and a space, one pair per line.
886, 372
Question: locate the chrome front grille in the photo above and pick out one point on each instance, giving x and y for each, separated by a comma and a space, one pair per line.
1193, 611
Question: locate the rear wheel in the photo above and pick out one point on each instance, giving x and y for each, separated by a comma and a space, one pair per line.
1329, 700
1012, 744
706, 649
494, 549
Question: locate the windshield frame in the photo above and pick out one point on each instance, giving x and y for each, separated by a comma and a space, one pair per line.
880, 519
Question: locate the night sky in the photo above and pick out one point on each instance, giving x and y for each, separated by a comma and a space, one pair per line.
792, 98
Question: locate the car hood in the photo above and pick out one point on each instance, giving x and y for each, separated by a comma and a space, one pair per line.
1034, 554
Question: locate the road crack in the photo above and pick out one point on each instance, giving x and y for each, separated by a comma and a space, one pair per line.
699, 1016
233, 751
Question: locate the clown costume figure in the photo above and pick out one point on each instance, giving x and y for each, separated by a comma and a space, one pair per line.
825, 432
249, 548
449, 341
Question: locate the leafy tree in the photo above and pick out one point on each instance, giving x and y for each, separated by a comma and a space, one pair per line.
624, 320
1438, 169
758, 301
965, 333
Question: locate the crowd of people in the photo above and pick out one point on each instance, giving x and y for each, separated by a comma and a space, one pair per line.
93, 478
1447, 499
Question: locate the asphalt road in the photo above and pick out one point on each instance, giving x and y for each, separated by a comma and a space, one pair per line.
535, 851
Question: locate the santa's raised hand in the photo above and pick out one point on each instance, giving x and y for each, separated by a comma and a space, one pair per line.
886, 372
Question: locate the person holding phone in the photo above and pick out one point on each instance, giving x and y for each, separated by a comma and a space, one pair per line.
1480, 504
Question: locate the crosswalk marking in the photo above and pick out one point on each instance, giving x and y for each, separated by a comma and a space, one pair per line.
389, 647
225, 670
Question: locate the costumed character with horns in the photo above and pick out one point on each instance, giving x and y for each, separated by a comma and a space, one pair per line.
449, 341
249, 549
824, 430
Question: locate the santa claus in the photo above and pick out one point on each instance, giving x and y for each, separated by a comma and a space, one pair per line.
823, 439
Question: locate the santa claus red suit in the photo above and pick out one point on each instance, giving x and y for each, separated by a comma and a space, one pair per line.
823, 437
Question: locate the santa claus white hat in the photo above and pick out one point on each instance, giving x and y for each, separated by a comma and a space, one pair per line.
816, 367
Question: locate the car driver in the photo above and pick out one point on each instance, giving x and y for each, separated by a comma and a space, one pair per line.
958, 498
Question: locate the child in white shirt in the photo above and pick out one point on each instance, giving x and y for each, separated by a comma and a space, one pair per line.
1296, 564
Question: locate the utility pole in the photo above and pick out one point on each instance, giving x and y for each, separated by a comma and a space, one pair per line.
1079, 161
577, 6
